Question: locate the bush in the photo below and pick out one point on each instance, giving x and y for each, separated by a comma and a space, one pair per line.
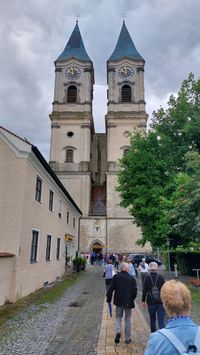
79, 263
186, 260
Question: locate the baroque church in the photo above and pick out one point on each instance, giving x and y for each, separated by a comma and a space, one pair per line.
87, 162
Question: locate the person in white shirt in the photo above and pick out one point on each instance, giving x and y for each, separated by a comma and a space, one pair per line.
143, 267
131, 268
109, 272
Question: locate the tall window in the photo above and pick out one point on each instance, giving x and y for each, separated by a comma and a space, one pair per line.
51, 200
67, 217
38, 190
48, 247
60, 208
34, 246
58, 249
126, 93
74, 222
69, 155
72, 93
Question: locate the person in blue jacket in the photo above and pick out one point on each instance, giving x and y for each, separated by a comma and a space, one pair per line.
176, 299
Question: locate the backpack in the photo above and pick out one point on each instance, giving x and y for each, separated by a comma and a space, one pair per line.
155, 293
195, 348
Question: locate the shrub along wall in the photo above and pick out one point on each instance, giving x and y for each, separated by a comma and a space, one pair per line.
186, 261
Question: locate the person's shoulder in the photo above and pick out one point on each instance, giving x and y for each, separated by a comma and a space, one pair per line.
157, 344
161, 277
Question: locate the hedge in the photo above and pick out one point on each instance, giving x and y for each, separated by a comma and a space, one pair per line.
186, 261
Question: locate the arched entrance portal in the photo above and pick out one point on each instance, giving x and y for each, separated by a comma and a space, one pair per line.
97, 247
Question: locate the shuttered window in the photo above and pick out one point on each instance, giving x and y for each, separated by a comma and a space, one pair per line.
72, 93
126, 93
69, 155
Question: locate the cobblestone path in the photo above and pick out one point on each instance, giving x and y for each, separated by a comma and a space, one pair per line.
67, 327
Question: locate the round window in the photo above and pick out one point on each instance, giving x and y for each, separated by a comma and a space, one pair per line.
70, 134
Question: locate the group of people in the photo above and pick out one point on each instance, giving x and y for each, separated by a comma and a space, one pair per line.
171, 298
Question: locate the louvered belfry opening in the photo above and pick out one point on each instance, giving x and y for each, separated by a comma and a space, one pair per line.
72, 93
69, 155
126, 93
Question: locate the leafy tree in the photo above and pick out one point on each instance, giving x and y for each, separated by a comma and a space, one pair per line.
147, 179
185, 211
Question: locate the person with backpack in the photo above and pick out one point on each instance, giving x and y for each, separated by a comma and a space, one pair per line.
151, 295
181, 335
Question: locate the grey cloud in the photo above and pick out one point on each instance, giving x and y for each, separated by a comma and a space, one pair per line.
34, 33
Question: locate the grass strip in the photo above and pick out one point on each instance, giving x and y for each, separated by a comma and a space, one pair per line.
42, 296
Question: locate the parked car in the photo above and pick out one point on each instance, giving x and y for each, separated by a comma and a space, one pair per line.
137, 258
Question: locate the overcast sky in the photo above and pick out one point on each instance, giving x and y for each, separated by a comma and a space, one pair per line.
33, 33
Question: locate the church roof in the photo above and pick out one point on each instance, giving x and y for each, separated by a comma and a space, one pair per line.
125, 47
75, 47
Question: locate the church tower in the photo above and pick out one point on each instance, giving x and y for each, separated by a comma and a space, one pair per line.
72, 124
126, 113
87, 163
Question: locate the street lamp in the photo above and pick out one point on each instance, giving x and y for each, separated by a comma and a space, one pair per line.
168, 254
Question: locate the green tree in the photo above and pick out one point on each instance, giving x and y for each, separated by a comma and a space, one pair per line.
147, 179
185, 210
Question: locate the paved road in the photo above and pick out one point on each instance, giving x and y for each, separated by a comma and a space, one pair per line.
69, 326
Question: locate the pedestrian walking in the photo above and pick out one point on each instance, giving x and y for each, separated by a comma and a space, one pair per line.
116, 264
181, 331
131, 267
144, 268
151, 294
109, 272
125, 291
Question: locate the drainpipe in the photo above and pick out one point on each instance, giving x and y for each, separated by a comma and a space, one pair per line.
106, 236
78, 236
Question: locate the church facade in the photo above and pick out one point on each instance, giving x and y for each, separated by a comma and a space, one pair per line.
86, 162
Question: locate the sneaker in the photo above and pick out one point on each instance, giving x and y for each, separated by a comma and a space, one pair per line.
128, 341
117, 338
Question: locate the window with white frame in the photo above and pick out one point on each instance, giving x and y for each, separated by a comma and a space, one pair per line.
38, 190
58, 249
51, 194
34, 246
48, 248
67, 217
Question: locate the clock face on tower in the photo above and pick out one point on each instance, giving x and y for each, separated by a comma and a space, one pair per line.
126, 72
72, 73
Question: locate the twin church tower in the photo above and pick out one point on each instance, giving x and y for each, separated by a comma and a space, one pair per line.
86, 162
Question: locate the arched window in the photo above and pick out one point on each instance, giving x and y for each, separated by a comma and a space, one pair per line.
72, 93
69, 155
126, 93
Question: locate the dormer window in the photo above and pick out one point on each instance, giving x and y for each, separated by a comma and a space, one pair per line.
72, 93
126, 93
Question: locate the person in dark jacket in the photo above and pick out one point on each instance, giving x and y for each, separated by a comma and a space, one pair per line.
155, 306
125, 291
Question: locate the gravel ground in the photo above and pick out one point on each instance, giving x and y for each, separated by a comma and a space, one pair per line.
69, 326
